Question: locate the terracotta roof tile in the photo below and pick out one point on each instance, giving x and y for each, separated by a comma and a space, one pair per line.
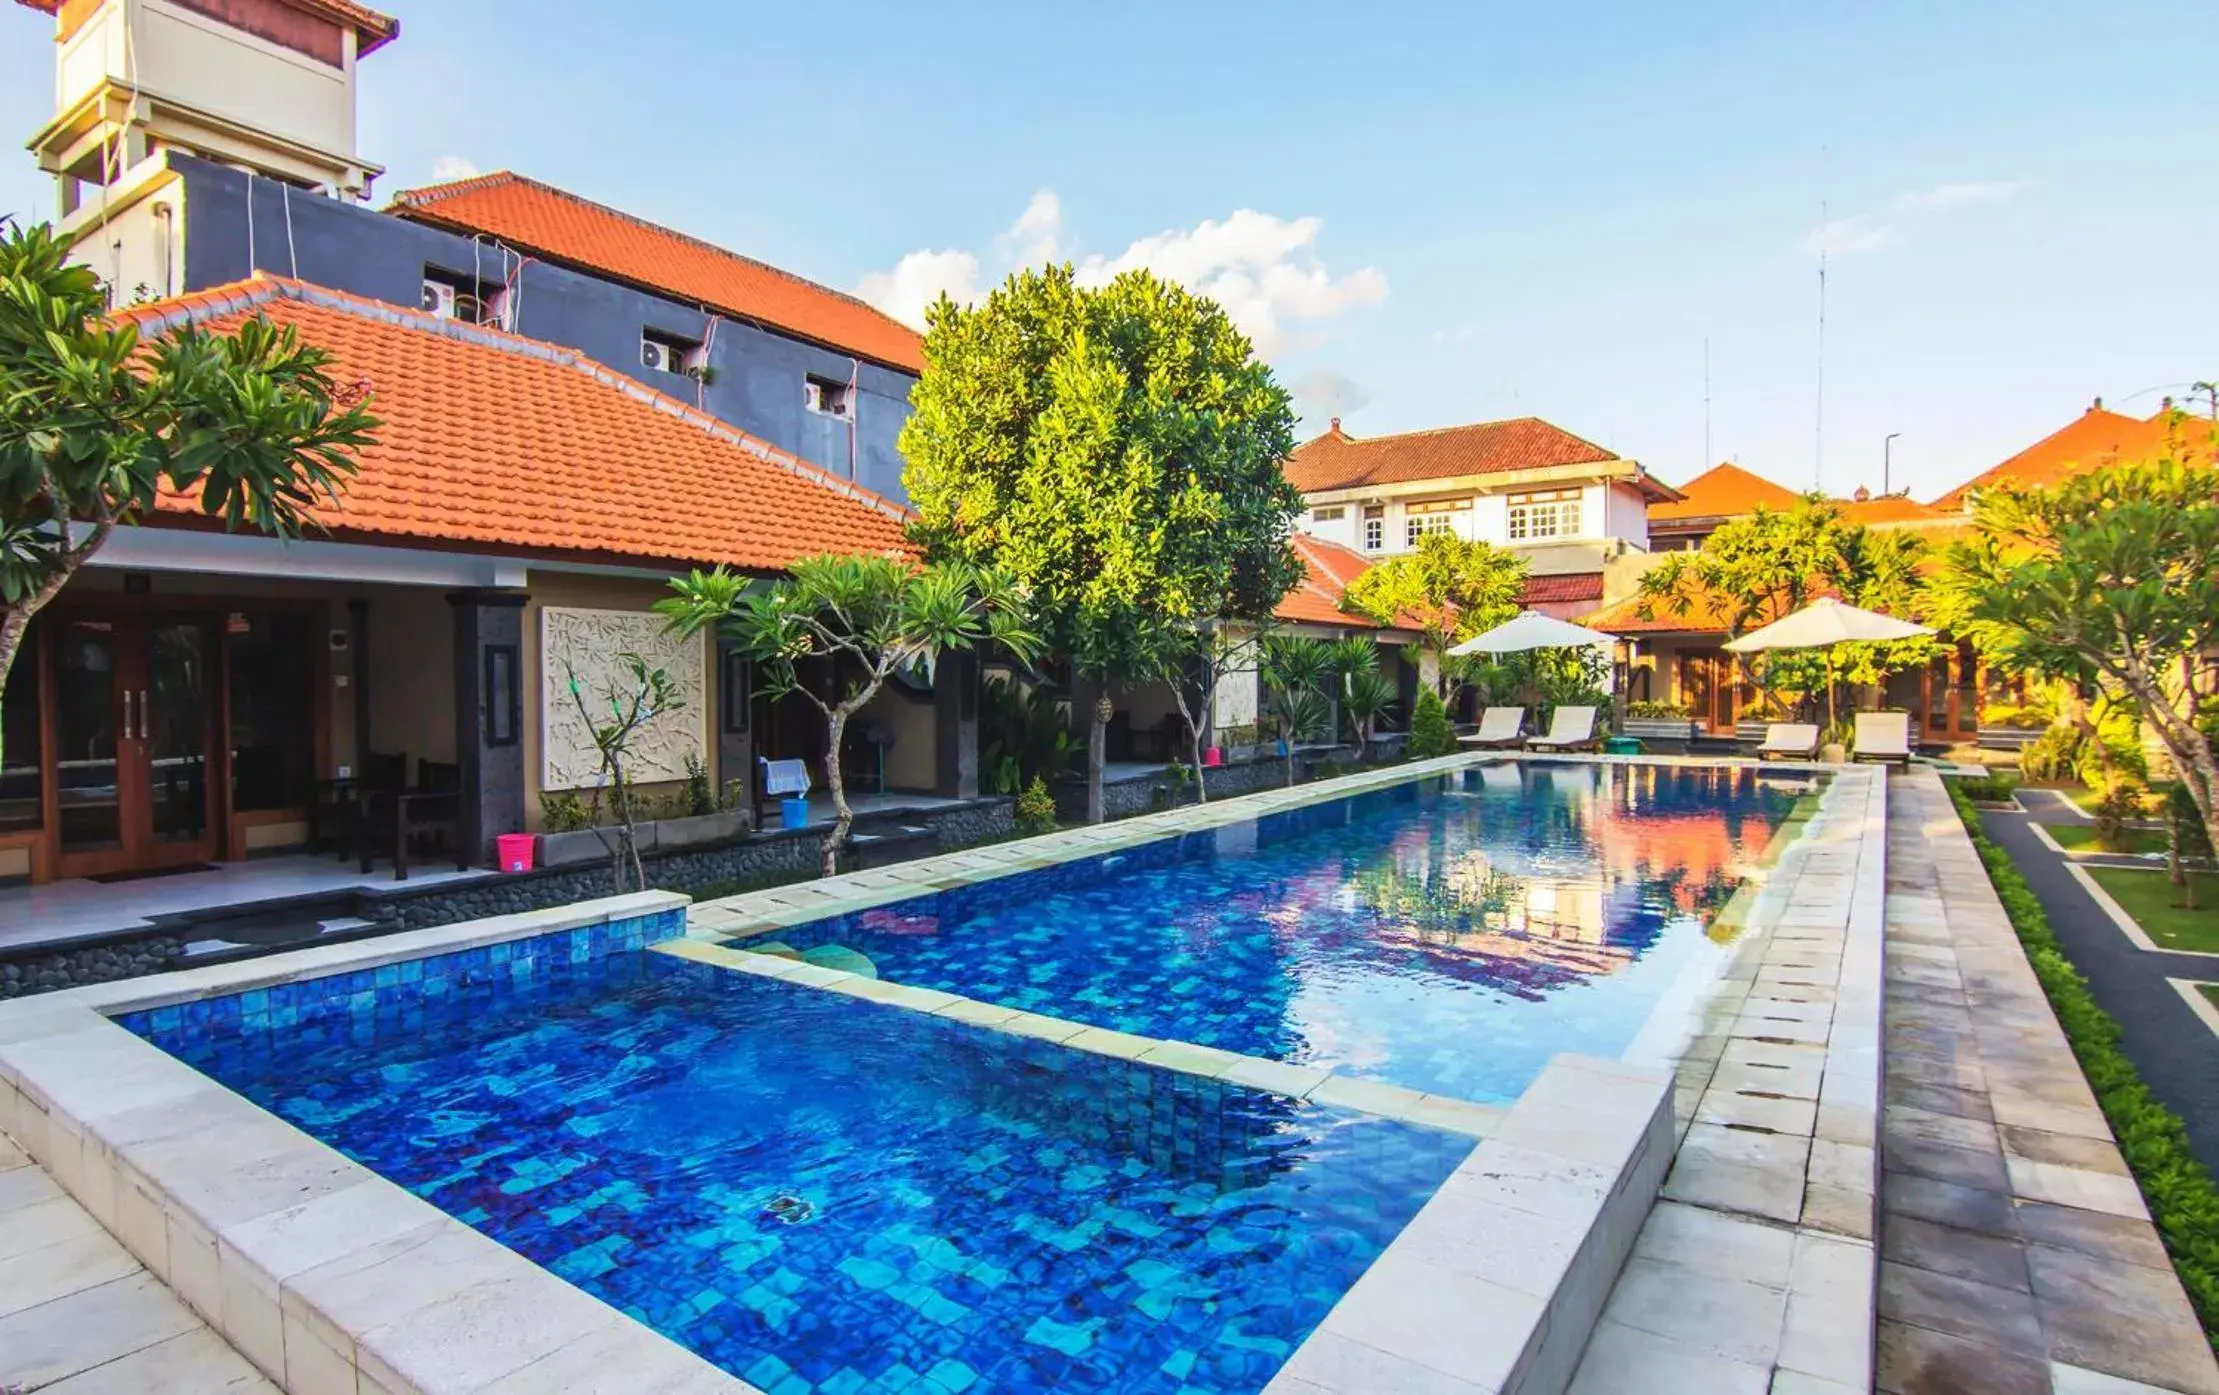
558, 226
1556, 590
2095, 438
1723, 491
1327, 570
1884, 510
1337, 460
500, 441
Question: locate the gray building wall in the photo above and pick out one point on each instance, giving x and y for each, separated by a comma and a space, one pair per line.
757, 377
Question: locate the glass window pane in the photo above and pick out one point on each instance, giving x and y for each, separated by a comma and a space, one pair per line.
85, 730
20, 783
272, 712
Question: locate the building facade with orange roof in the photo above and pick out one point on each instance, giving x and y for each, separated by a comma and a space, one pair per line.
1680, 660
1575, 511
196, 695
226, 146
2096, 438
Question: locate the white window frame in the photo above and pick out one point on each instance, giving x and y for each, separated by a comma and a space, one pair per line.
1375, 528
1544, 514
1331, 514
1421, 521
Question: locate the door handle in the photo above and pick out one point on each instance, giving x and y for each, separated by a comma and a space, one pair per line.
127, 714
143, 722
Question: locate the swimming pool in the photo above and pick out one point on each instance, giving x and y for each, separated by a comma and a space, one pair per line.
1448, 935
824, 1195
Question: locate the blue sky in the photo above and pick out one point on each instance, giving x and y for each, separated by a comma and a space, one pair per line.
1455, 211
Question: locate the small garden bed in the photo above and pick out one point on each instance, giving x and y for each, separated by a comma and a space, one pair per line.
2183, 1201
2154, 902
2081, 837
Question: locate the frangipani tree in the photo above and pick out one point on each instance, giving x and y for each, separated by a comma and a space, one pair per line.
1451, 588
94, 423
869, 617
2113, 573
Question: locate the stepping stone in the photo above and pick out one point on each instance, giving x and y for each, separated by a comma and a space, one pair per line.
840, 957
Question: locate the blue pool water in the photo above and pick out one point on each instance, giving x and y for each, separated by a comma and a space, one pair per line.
1448, 935
827, 1195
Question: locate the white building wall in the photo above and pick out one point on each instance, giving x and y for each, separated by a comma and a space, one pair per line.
1626, 515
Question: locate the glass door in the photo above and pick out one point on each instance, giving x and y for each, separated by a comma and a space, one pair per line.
133, 709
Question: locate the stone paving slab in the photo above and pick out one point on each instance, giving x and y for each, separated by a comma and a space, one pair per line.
2016, 1252
79, 1315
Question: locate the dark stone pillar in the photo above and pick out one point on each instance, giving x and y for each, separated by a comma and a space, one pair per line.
489, 715
735, 726
955, 703
358, 648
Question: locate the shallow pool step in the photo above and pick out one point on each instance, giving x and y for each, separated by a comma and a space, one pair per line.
841, 957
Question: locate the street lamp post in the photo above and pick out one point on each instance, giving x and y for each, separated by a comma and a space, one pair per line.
1887, 459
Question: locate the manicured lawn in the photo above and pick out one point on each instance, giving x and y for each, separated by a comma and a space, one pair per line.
2081, 837
2210, 992
2153, 901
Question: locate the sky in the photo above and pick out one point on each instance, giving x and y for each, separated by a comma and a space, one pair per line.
1423, 214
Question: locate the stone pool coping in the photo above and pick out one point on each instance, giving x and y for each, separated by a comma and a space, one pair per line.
330, 1278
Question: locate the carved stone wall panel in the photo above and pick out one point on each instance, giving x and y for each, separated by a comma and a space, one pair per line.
588, 642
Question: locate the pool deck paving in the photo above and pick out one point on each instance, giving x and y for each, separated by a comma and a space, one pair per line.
80, 1316
2017, 1256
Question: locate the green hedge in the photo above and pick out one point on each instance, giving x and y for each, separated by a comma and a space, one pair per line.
2179, 1189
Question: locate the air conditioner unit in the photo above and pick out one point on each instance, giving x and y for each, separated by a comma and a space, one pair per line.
439, 299
660, 357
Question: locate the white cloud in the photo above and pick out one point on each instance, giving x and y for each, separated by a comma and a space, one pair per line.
448, 167
1262, 268
1961, 195
1455, 334
918, 280
1845, 237
1036, 238
1322, 394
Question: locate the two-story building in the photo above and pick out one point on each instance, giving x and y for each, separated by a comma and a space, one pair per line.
1577, 512
196, 142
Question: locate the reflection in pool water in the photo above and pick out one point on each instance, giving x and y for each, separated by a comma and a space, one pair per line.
1447, 935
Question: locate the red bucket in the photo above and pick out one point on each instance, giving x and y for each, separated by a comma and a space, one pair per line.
515, 851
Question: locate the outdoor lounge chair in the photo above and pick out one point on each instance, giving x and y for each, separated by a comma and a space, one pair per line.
1797, 739
1883, 736
1498, 726
1569, 729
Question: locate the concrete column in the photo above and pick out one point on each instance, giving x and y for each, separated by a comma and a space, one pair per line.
955, 725
489, 715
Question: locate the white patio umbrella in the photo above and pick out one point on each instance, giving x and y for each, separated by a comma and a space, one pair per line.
1533, 630
1823, 624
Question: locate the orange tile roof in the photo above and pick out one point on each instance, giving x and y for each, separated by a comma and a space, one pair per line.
1337, 460
1327, 570
1889, 510
1724, 491
374, 30
492, 440
1560, 589
1624, 619
2097, 437
558, 226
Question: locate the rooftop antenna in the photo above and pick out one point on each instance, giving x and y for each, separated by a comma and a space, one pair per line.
1707, 461
1818, 446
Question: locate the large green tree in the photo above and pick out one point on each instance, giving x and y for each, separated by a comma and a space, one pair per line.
94, 423
1451, 588
1117, 451
1770, 564
868, 617
2112, 574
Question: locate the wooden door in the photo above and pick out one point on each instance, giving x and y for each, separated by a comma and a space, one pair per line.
1710, 687
133, 778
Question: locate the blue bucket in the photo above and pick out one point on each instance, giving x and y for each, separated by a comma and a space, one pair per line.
793, 812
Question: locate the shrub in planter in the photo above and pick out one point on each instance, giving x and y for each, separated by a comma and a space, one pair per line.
1036, 808
2121, 803
1657, 711
2054, 756
1430, 732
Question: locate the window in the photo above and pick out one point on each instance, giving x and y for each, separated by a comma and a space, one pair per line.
1547, 513
826, 396
1421, 521
1332, 515
454, 295
21, 780
272, 657
1375, 527
667, 353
